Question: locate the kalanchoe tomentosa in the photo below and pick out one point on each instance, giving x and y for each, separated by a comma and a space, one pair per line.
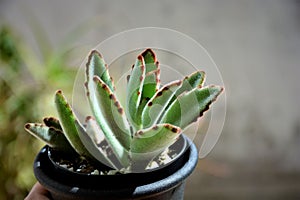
153, 118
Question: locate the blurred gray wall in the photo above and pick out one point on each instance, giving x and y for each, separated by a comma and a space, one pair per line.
256, 45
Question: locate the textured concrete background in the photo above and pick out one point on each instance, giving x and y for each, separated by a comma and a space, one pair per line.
256, 45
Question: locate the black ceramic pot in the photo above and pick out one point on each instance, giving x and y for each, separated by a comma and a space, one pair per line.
164, 183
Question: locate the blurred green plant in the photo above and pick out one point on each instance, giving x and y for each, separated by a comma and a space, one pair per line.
27, 79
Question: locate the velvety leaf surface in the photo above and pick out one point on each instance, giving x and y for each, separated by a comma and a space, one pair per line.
69, 124
191, 105
151, 83
190, 82
158, 103
96, 67
134, 91
53, 137
154, 138
112, 120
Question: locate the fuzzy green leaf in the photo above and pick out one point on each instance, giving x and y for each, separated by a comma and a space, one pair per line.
96, 66
189, 106
151, 83
134, 91
69, 124
154, 138
158, 103
111, 118
190, 82
149, 143
149, 89
53, 137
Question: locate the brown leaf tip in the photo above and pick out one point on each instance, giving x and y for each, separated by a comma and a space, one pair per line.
27, 126
140, 58
179, 83
172, 128
150, 103
104, 86
88, 118
149, 51
127, 78
175, 130
117, 104
165, 88
113, 97
157, 64
120, 110
140, 132
95, 78
95, 52
92, 53
159, 93
155, 127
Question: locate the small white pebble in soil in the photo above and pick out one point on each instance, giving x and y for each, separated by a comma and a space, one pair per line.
164, 159
152, 165
95, 172
174, 155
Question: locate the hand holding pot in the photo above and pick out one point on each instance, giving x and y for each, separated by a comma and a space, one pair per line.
38, 192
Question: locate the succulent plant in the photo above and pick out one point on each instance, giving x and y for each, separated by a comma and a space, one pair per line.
153, 118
